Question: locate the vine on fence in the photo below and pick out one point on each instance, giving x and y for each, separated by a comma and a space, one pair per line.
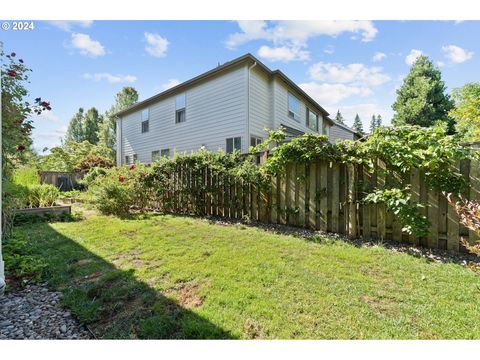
401, 149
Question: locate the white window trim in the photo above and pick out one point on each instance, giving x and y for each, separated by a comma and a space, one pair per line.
184, 108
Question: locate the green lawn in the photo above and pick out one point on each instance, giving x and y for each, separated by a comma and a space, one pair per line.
180, 277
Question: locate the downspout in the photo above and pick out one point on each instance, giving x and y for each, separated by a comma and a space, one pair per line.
247, 139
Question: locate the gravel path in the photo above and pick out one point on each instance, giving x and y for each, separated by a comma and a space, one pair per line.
35, 313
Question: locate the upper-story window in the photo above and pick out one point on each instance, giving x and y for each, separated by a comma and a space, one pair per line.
180, 108
293, 107
312, 120
145, 120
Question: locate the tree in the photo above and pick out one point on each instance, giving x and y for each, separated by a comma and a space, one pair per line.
17, 123
91, 125
108, 133
358, 126
373, 124
422, 99
339, 118
75, 131
467, 111
379, 121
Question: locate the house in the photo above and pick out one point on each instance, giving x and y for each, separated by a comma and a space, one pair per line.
226, 108
339, 132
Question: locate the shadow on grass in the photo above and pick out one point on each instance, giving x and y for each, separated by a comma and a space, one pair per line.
111, 302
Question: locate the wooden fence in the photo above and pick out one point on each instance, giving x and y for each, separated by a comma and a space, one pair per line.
325, 196
65, 181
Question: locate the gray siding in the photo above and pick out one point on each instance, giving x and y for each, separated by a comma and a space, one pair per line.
237, 103
215, 110
338, 133
280, 109
260, 107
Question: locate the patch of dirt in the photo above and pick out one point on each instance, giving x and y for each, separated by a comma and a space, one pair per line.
92, 276
81, 262
377, 304
187, 295
253, 329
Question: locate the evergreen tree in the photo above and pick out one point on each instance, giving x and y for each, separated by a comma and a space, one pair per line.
373, 124
339, 118
358, 126
92, 123
422, 99
75, 127
379, 121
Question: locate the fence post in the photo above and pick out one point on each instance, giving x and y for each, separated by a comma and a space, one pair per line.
352, 202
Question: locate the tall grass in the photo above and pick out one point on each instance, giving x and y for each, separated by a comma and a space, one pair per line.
25, 176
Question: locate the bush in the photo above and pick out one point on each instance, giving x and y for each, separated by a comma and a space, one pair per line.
25, 175
41, 195
469, 213
92, 174
119, 190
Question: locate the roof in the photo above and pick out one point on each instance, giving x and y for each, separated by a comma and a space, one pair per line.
224, 67
345, 127
292, 131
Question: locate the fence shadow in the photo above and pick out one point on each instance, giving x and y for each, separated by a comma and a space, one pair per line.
112, 302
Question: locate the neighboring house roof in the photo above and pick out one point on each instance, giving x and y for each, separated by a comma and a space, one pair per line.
345, 127
227, 66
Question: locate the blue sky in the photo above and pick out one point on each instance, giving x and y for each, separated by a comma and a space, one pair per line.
354, 66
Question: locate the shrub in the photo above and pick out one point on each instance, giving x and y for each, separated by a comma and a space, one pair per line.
92, 174
41, 195
25, 175
469, 213
120, 189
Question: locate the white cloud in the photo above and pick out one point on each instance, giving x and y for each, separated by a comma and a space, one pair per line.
413, 56
297, 31
358, 74
86, 45
49, 139
49, 116
113, 79
329, 94
379, 56
456, 54
67, 25
440, 63
157, 45
169, 84
283, 53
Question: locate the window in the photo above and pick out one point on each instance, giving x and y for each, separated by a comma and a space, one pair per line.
234, 144
312, 120
145, 126
293, 107
255, 140
145, 114
180, 108
145, 117
127, 160
165, 153
135, 158
155, 155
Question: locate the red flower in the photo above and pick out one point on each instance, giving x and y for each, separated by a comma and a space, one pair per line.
121, 178
12, 73
13, 54
143, 174
45, 104
132, 167
21, 61
21, 147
